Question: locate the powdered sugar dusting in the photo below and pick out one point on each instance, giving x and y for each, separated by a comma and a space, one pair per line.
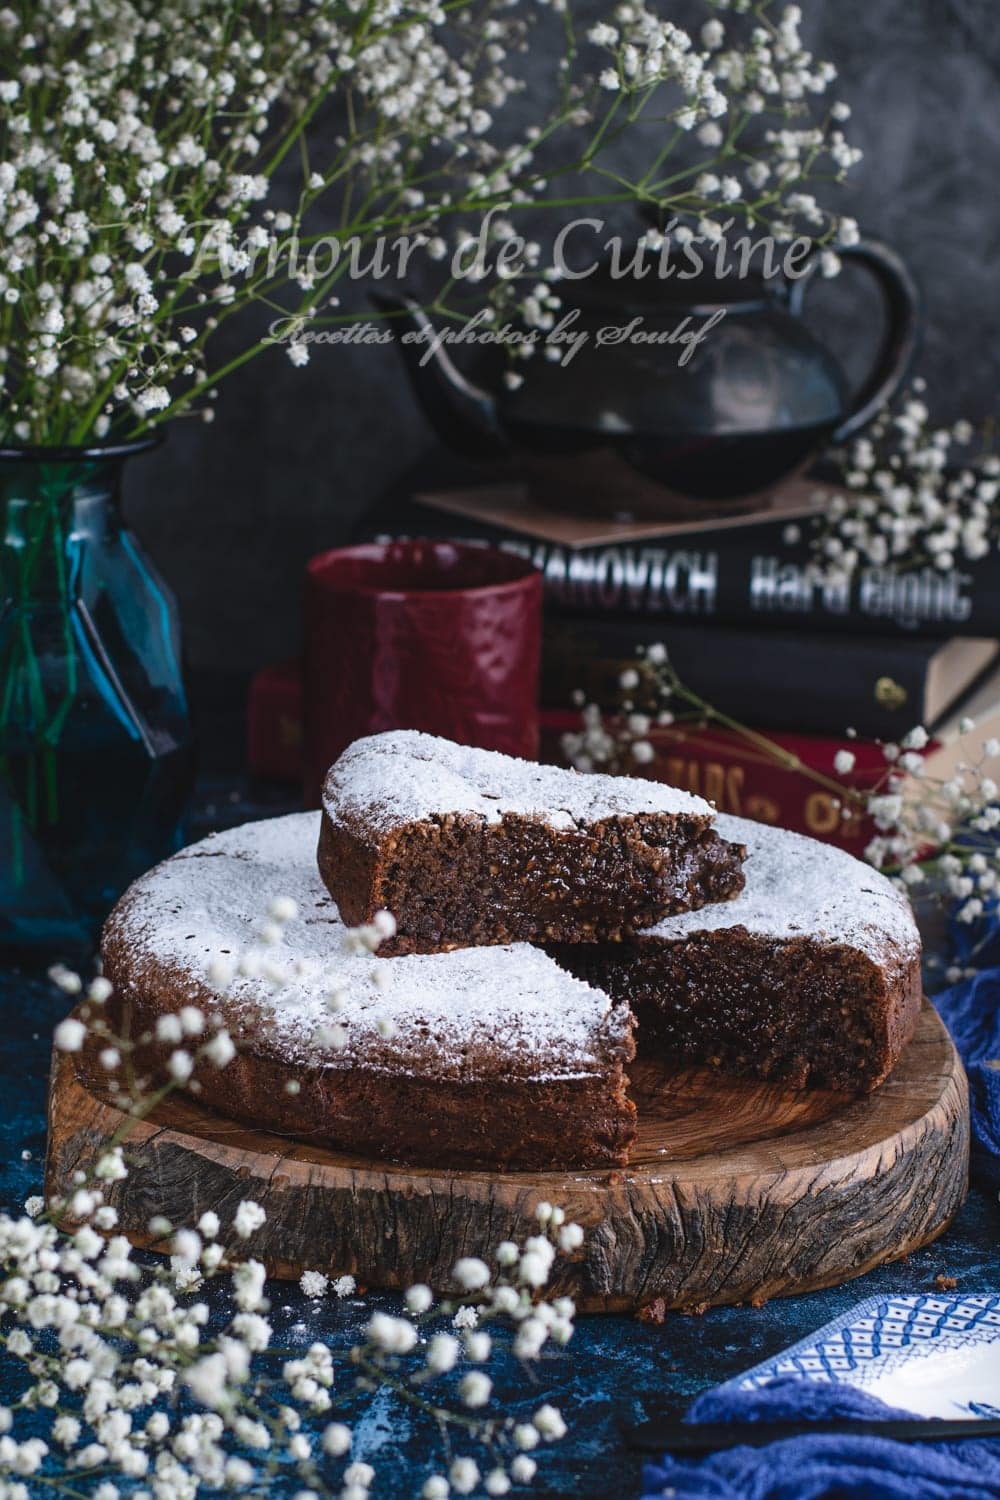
405, 777
476, 1013
798, 887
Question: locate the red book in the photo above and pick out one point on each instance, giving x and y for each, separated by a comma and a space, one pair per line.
742, 779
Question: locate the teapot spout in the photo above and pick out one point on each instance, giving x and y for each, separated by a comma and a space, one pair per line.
463, 415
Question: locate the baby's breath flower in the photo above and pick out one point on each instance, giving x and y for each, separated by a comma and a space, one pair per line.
418, 1299
180, 1065
168, 1028
464, 1475
475, 1388
336, 1439
385, 924
313, 1283
220, 1050
249, 1217
209, 1224
478, 1346
111, 1167
471, 1274
442, 1353
395, 1335
531, 1336
68, 981
914, 500
570, 1237
69, 1035
549, 1422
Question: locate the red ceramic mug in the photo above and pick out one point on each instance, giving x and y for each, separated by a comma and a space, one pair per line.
427, 635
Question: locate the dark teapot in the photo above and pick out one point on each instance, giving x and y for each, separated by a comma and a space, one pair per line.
756, 399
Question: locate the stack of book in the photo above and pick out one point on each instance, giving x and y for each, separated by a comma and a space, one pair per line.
754, 628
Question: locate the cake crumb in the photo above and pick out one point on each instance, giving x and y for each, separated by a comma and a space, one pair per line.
653, 1312
945, 1283
696, 1310
758, 1300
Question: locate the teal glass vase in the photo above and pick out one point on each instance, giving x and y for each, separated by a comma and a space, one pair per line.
96, 750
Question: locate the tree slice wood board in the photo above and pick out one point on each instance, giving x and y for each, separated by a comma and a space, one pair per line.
736, 1190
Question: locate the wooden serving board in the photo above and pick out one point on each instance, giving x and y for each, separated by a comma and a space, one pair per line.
736, 1191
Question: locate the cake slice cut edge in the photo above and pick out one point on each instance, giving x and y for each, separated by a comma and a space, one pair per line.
810, 978
468, 847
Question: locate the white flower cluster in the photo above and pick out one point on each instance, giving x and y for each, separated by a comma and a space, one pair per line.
933, 837
918, 496
938, 836
509, 1294
741, 96
111, 1349
267, 961
617, 749
91, 210
749, 69
138, 143
193, 1041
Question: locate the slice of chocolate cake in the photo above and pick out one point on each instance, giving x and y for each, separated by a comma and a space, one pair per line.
469, 847
810, 977
495, 1057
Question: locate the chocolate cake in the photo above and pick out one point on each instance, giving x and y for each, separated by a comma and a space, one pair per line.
810, 977
507, 1055
468, 847
493, 1056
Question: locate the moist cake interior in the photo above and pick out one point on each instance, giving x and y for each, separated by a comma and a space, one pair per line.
810, 977
456, 884
468, 847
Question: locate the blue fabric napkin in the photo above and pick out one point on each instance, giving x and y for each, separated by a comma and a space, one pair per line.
977, 943
971, 1012
823, 1466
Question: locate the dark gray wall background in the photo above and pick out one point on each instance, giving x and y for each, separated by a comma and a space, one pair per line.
230, 511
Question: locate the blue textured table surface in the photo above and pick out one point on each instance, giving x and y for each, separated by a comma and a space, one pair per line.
615, 1370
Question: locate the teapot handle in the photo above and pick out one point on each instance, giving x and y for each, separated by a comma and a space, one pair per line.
902, 331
